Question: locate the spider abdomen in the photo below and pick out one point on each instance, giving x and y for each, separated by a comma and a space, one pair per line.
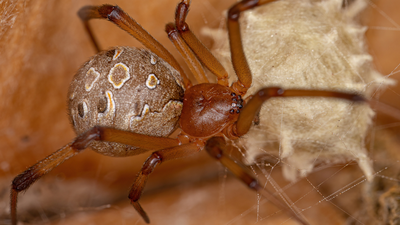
208, 109
129, 89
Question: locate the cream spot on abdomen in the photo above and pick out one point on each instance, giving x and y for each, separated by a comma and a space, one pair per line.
153, 61
118, 75
152, 81
91, 77
145, 110
117, 53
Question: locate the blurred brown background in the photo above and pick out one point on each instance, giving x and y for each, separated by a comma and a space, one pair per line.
43, 43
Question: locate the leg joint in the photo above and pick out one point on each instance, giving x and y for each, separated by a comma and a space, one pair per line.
151, 163
180, 16
83, 140
171, 30
235, 10
110, 12
23, 180
213, 147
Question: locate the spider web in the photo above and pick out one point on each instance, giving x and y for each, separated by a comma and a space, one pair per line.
92, 189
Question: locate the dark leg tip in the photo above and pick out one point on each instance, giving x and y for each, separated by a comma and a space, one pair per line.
140, 210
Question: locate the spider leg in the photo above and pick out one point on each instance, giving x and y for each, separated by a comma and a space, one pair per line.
187, 54
215, 146
90, 32
29, 176
250, 110
239, 61
125, 22
155, 159
24, 180
201, 52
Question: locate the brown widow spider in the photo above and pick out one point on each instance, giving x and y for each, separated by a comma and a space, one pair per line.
125, 101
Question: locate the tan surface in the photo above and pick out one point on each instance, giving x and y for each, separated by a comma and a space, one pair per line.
40, 54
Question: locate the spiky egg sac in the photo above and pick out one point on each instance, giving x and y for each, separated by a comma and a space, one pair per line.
307, 44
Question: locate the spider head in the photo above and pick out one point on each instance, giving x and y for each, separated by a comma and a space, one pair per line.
208, 109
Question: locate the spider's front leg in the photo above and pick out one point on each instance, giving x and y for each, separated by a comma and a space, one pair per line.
252, 108
191, 47
24, 180
155, 159
238, 57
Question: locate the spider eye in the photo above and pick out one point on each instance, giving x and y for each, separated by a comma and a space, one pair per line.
102, 105
231, 111
82, 109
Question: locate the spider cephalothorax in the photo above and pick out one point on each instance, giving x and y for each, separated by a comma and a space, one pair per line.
208, 109
126, 101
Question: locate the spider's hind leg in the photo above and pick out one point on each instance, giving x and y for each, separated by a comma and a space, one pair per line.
24, 180
216, 147
150, 164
